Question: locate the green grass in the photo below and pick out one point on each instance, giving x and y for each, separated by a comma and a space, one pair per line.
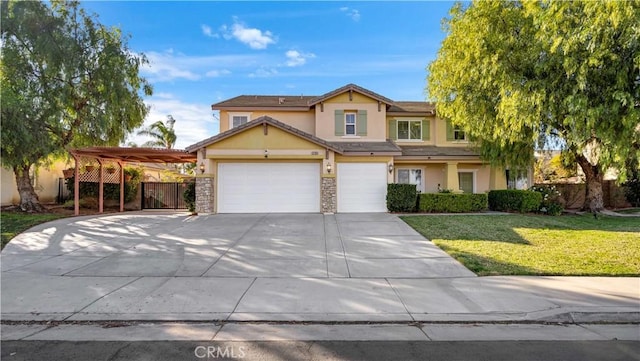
537, 245
13, 223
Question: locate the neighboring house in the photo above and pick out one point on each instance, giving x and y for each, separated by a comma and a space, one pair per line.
331, 153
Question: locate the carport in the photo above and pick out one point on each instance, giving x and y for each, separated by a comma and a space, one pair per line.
107, 158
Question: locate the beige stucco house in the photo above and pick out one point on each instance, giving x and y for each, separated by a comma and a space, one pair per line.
331, 153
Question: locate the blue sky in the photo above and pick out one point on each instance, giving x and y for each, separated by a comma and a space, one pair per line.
204, 52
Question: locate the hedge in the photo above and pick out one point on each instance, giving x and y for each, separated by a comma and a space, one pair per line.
452, 202
509, 200
401, 197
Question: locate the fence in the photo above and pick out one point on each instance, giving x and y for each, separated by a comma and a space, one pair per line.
163, 195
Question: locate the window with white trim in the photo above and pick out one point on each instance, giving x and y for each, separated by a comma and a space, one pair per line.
458, 134
237, 119
465, 181
409, 130
410, 176
349, 123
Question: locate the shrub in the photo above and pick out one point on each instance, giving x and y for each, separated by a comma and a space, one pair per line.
452, 202
189, 196
508, 200
632, 192
401, 197
550, 203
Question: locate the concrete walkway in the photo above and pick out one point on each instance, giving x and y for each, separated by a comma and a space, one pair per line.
345, 268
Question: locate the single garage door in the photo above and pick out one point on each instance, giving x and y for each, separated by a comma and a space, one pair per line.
362, 187
268, 187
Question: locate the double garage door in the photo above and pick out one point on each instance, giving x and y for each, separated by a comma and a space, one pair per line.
295, 187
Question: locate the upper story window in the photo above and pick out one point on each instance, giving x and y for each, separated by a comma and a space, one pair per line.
409, 130
458, 134
455, 133
237, 119
349, 123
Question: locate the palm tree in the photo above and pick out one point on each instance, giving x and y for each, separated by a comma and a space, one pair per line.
163, 134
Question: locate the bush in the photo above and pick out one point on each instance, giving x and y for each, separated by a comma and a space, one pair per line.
550, 203
111, 190
632, 192
401, 197
452, 202
509, 200
189, 196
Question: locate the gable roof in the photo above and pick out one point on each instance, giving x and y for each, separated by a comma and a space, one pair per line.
351, 87
262, 121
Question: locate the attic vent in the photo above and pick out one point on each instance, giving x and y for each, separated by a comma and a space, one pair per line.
280, 100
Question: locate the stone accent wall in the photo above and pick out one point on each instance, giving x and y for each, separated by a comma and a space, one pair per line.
204, 195
328, 195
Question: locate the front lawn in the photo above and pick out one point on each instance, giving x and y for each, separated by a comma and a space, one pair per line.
12, 223
537, 245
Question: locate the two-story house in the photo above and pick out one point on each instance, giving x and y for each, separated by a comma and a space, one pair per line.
331, 153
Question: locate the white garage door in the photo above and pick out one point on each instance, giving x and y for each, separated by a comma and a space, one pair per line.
268, 187
362, 187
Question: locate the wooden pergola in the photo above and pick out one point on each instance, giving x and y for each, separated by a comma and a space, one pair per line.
119, 155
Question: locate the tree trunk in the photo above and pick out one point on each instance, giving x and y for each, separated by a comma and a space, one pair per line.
593, 200
29, 201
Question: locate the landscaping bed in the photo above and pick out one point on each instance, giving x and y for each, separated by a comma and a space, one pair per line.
515, 244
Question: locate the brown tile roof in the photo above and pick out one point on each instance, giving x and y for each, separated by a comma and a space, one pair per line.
351, 87
368, 147
434, 151
259, 121
244, 101
412, 107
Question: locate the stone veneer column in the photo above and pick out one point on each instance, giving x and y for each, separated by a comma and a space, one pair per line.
328, 194
204, 194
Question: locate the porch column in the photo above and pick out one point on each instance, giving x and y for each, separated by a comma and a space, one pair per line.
451, 177
121, 165
76, 187
328, 194
101, 187
497, 178
204, 193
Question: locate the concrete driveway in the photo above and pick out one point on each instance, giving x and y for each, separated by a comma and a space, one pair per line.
251, 245
262, 267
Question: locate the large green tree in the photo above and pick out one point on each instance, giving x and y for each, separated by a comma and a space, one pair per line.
521, 74
162, 134
67, 81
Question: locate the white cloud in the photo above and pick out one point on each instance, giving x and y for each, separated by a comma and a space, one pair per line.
264, 72
296, 58
169, 66
194, 122
206, 30
161, 68
217, 73
354, 14
254, 38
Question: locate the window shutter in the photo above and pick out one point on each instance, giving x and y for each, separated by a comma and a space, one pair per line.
449, 130
426, 131
339, 126
393, 129
361, 123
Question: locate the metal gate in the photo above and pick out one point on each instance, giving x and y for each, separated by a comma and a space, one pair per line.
163, 195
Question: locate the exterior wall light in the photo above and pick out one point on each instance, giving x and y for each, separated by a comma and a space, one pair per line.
201, 167
329, 168
390, 168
